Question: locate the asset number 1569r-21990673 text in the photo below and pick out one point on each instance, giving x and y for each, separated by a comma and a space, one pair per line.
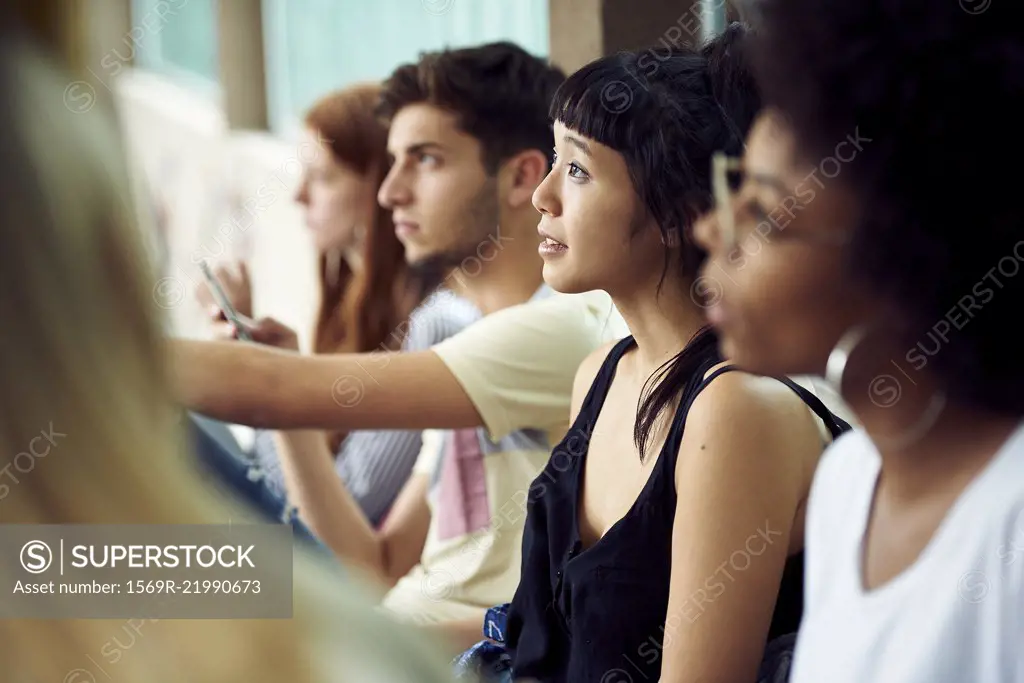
194, 586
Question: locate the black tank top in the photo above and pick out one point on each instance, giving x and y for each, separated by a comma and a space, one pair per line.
579, 614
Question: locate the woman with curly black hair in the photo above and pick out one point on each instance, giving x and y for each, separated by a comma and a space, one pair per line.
868, 235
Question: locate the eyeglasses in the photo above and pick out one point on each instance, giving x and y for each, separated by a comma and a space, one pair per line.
721, 166
727, 177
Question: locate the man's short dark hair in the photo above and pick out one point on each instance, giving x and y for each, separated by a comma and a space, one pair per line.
935, 91
499, 92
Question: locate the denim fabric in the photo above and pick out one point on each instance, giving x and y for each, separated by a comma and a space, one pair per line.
487, 661
241, 479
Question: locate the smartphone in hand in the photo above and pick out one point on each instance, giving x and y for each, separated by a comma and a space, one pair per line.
240, 321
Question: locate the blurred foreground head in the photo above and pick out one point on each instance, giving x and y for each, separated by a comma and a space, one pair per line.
88, 433
874, 198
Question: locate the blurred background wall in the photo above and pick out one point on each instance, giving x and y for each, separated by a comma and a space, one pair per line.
211, 94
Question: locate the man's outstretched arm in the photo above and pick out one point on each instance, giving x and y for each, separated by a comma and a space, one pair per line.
265, 387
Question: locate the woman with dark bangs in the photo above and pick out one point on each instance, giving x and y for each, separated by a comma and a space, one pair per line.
664, 537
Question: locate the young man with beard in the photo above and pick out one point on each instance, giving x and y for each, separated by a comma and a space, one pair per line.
471, 140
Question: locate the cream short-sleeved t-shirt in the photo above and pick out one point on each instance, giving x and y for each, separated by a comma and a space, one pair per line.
517, 366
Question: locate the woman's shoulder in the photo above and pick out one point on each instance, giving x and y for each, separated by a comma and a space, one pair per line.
729, 388
592, 364
588, 371
757, 421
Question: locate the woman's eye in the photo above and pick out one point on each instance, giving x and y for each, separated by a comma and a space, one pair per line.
576, 171
753, 210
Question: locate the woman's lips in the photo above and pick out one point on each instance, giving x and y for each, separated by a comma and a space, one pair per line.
406, 228
550, 247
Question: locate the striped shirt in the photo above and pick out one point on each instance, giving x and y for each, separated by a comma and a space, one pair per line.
375, 464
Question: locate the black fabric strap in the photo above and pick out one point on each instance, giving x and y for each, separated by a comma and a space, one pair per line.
835, 424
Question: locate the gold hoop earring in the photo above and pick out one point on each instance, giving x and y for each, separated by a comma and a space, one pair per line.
835, 369
840, 356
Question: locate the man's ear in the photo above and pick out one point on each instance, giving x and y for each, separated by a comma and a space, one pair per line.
523, 173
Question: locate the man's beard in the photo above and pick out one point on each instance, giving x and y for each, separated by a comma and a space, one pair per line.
480, 226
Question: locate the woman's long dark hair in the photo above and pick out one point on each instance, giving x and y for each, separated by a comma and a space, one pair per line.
362, 312
667, 111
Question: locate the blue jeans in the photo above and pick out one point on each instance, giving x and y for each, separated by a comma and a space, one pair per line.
487, 661
233, 473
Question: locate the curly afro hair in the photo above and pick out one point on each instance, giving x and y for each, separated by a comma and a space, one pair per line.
937, 86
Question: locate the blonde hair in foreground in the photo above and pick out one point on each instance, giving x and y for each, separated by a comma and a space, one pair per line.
81, 360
